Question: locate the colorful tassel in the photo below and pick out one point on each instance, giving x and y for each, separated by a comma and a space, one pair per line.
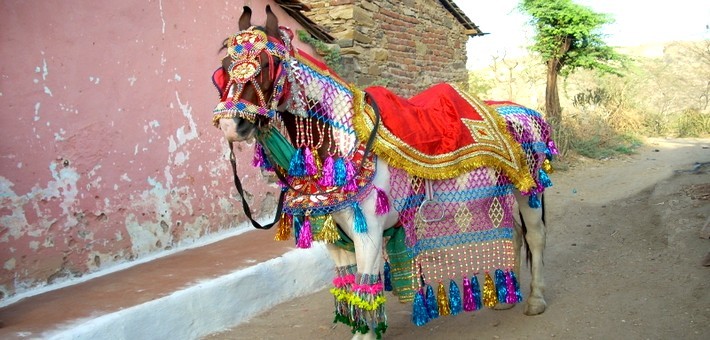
477, 296
454, 298
326, 179
382, 205
328, 232
420, 316
360, 222
547, 166
284, 231
544, 179
442, 301
297, 225
350, 178
501, 288
515, 286
553, 148
490, 296
534, 201
339, 172
297, 167
388, 277
305, 236
468, 303
258, 160
510, 297
432, 307
309, 162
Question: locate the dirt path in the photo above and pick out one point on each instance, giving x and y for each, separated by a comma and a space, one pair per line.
624, 261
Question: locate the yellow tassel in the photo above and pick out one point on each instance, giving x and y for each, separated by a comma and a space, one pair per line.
284, 231
490, 296
442, 300
329, 232
547, 166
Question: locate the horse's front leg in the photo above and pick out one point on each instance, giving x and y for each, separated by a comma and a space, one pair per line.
535, 238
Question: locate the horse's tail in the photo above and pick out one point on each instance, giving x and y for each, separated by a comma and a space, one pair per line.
524, 228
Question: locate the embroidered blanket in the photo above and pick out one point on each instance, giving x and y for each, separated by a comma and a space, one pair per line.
441, 133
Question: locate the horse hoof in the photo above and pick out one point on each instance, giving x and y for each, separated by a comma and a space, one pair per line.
503, 306
535, 306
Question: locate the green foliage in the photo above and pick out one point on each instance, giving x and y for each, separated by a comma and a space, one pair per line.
478, 85
330, 54
570, 34
692, 123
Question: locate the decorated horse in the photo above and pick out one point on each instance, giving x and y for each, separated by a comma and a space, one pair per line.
416, 196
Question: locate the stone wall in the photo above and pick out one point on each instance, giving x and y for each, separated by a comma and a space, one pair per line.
406, 45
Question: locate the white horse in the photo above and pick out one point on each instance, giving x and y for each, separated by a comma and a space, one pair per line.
266, 91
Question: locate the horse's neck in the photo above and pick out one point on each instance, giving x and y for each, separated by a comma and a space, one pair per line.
329, 106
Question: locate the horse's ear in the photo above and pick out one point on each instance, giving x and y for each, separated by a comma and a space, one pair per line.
245, 19
272, 23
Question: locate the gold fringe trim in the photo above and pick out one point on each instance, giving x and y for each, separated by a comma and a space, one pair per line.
450, 165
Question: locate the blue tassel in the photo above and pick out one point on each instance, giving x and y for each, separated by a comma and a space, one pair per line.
265, 163
419, 314
297, 224
388, 277
476, 287
544, 179
501, 290
297, 167
340, 172
360, 222
432, 306
454, 298
533, 201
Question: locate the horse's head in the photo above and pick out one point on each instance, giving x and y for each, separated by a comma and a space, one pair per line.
252, 77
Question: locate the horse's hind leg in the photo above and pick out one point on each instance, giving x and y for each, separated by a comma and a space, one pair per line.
535, 237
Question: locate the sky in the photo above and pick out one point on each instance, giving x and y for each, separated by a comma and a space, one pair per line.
637, 22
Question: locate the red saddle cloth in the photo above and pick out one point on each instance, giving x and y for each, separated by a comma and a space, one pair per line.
431, 121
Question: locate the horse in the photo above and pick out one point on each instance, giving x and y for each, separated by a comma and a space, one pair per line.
349, 178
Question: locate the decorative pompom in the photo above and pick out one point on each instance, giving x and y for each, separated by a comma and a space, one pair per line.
477, 296
419, 311
388, 277
360, 222
309, 162
432, 306
547, 166
544, 179
534, 201
553, 148
501, 289
350, 177
468, 303
297, 167
284, 231
382, 205
326, 179
329, 231
490, 297
454, 298
339, 172
305, 236
442, 301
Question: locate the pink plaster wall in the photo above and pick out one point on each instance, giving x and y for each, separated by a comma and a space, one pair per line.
107, 151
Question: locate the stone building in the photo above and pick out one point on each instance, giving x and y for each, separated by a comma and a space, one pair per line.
406, 45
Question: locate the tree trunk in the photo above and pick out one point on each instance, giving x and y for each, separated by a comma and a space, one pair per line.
552, 98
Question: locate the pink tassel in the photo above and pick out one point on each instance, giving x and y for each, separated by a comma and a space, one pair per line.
305, 236
382, 206
327, 178
350, 177
310, 162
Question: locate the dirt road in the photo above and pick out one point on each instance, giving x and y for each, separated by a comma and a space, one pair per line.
623, 261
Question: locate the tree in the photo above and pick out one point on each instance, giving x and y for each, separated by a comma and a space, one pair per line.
567, 37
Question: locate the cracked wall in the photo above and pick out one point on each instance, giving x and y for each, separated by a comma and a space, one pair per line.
108, 153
